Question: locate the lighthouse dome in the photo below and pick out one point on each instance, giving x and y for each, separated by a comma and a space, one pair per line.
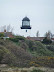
26, 19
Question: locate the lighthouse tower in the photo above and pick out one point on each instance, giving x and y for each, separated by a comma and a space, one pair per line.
26, 26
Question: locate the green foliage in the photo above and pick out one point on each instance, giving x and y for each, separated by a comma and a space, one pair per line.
3, 51
50, 47
20, 37
14, 39
1, 34
36, 48
13, 55
30, 44
25, 53
52, 43
17, 38
1, 55
46, 41
37, 70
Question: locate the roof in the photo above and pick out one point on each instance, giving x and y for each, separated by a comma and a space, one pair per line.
7, 34
38, 38
26, 19
52, 38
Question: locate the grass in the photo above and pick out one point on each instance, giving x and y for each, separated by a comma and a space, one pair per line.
30, 69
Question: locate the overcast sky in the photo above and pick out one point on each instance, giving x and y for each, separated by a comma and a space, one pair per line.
40, 13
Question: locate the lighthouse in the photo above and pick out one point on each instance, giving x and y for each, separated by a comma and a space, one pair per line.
26, 23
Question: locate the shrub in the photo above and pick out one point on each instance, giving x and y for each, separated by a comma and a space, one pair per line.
20, 37
46, 41
1, 35
37, 70
14, 39
13, 55
17, 38
50, 47
30, 43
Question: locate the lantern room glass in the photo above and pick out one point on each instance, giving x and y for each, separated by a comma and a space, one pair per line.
26, 23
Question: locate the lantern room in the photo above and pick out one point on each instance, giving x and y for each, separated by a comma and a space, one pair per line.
25, 23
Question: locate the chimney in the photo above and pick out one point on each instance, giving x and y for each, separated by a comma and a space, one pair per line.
4, 30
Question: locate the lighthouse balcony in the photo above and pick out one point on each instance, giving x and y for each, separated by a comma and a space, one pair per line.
25, 27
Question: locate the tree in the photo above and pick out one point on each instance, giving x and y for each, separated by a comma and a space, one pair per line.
52, 35
37, 34
7, 28
2, 28
46, 41
48, 34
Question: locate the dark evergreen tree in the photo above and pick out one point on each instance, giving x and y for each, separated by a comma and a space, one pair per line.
47, 41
